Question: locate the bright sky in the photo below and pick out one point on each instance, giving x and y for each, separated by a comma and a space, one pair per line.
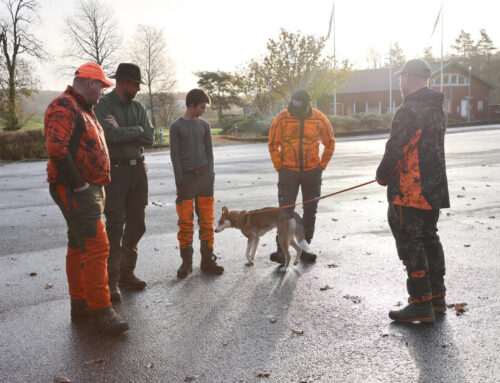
225, 34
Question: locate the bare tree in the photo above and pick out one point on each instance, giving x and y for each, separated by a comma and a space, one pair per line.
92, 34
149, 51
17, 42
170, 107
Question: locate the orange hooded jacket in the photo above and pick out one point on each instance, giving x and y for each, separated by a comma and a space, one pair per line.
294, 142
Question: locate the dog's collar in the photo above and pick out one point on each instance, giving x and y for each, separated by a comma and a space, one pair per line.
239, 220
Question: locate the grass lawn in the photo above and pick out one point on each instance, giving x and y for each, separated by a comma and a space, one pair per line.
35, 122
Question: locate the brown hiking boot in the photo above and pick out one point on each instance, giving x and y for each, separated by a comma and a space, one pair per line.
130, 281
79, 311
187, 262
414, 312
106, 320
208, 260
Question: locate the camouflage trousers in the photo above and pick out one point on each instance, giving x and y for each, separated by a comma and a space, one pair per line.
419, 247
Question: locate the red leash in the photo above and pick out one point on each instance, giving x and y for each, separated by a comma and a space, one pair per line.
311, 200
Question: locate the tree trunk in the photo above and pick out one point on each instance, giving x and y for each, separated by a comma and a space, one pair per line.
153, 120
11, 112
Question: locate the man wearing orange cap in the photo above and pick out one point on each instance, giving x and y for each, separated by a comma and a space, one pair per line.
78, 169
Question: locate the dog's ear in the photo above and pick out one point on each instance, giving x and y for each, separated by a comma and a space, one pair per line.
224, 210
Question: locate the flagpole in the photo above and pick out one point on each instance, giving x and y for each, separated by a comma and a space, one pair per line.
390, 76
334, 64
442, 33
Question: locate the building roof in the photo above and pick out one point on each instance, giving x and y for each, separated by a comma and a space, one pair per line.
377, 80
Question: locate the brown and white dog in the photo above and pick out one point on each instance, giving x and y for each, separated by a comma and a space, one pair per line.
254, 226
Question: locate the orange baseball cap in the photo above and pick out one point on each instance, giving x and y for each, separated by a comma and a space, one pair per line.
93, 71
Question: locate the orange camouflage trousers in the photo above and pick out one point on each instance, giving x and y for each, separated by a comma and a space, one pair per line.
88, 246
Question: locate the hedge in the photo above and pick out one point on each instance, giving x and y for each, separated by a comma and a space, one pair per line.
28, 144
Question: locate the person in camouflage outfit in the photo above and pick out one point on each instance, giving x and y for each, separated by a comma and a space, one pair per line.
414, 170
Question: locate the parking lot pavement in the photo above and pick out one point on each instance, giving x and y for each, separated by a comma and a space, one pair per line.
227, 328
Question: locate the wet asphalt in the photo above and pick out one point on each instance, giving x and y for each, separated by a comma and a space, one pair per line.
228, 328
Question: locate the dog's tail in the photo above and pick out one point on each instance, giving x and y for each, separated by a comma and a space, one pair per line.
299, 233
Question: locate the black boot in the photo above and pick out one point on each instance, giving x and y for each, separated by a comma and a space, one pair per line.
439, 303
187, 262
208, 260
106, 320
307, 257
413, 312
79, 311
114, 291
128, 280
278, 256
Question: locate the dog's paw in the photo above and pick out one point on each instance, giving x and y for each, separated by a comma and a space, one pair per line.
249, 264
283, 269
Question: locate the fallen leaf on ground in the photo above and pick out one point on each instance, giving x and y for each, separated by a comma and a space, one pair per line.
225, 344
150, 365
297, 332
309, 378
159, 203
61, 379
460, 308
48, 286
33, 274
384, 335
326, 287
272, 320
262, 374
466, 245
460, 196
332, 265
189, 379
353, 298
156, 249
95, 361
12, 259
441, 345
11, 284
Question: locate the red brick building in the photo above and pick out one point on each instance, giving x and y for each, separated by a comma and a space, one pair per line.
367, 91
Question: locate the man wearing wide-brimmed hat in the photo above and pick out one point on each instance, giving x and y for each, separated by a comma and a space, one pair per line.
127, 129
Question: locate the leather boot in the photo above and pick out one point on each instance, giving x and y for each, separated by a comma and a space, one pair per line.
208, 260
307, 257
79, 311
422, 312
278, 256
106, 320
114, 291
128, 280
439, 303
187, 262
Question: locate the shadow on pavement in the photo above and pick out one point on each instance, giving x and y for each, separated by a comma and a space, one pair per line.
433, 350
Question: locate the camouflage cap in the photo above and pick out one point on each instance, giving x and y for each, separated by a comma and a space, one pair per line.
415, 67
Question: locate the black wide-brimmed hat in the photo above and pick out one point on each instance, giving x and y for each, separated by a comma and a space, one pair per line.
127, 71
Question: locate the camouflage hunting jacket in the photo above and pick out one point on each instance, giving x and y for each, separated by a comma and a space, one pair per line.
414, 165
76, 146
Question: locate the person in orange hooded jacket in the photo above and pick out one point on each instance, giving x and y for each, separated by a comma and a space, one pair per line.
294, 140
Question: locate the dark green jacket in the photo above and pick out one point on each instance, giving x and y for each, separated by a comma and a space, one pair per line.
127, 141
